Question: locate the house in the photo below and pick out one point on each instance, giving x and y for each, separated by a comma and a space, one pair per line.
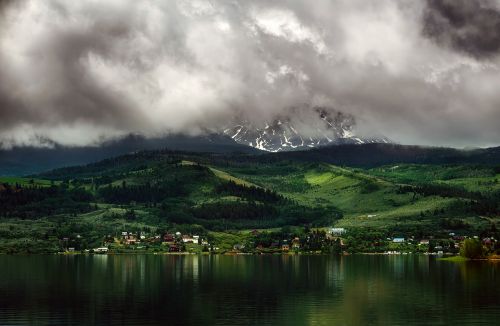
488, 242
130, 238
424, 242
124, 234
275, 244
190, 239
239, 246
168, 238
398, 240
337, 231
285, 247
174, 248
296, 243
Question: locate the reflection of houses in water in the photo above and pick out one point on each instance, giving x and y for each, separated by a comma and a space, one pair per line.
195, 268
335, 274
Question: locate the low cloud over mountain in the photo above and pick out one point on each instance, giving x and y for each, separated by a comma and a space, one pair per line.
82, 72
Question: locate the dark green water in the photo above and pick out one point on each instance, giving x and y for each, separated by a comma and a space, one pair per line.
263, 290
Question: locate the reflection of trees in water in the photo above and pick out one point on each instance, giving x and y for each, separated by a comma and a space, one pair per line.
285, 289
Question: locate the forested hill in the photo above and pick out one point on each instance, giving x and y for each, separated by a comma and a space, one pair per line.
372, 155
30, 160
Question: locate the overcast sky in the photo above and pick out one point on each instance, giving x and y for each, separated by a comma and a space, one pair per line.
79, 72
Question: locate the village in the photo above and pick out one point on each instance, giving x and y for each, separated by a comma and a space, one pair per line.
320, 241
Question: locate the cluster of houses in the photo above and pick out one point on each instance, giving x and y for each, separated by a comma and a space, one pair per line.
177, 242
284, 245
433, 246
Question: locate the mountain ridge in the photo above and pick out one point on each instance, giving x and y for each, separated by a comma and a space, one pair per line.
320, 127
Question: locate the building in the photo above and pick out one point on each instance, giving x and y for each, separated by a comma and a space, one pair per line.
168, 238
101, 250
296, 243
190, 239
337, 231
275, 244
239, 246
174, 248
398, 240
130, 239
285, 247
424, 242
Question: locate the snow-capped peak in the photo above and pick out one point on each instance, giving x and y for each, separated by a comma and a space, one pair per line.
322, 128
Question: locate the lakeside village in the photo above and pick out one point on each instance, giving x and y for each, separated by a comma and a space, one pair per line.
285, 241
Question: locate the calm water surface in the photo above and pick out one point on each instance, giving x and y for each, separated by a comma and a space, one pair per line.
234, 290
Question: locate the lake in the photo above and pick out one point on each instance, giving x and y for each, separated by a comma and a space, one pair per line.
237, 290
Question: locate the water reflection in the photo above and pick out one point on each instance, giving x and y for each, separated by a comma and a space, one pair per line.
269, 290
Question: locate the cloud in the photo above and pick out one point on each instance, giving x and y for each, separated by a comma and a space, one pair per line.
471, 26
80, 72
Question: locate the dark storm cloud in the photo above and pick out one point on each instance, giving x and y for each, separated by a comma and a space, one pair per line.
78, 72
471, 26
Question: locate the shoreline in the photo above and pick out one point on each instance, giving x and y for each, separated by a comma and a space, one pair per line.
451, 258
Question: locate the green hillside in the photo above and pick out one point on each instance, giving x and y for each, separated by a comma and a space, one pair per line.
212, 193
373, 198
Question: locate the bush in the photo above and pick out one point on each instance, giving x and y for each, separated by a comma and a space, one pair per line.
472, 249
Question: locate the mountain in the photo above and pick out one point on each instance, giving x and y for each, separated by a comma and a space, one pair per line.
323, 127
299, 130
29, 160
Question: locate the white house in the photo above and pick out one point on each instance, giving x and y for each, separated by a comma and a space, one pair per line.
337, 231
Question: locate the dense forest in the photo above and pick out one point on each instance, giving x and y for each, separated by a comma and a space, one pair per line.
26, 202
